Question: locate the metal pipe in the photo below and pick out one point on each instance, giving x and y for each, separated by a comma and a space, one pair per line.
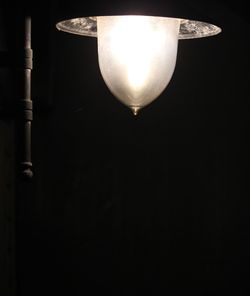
25, 106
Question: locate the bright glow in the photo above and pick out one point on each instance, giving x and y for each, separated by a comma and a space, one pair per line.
137, 56
130, 45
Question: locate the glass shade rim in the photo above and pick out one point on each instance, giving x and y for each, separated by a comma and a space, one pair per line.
189, 29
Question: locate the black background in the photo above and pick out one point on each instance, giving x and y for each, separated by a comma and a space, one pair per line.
156, 204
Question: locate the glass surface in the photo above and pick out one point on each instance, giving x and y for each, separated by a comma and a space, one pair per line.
189, 29
137, 56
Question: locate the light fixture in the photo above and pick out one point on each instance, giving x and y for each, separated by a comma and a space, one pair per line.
136, 53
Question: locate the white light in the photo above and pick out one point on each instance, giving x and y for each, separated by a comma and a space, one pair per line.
137, 56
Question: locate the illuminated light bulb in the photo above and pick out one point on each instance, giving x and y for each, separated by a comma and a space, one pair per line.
137, 56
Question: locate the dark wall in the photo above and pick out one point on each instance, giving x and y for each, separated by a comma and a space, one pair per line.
7, 267
151, 205
7, 182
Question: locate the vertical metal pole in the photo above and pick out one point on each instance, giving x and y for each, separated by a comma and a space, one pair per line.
25, 109
24, 186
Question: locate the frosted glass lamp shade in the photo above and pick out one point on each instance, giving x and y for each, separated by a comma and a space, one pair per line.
137, 56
